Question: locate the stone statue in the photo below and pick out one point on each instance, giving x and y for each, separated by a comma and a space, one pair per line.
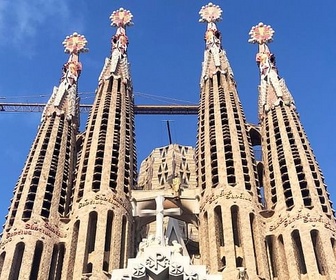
176, 249
242, 275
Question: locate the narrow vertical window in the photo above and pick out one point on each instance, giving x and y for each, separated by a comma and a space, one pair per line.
299, 252
2, 260
36, 260
108, 238
206, 237
91, 233
318, 251
219, 226
235, 225
17, 261
271, 255
73, 249
253, 228
90, 241
60, 261
333, 244
123, 242
53, 263
283, 270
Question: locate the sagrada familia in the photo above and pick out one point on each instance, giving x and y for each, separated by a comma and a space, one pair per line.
81, 210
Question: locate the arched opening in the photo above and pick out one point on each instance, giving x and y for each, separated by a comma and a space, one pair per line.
2, 260
73, 248
271, 255
253, 229
219, 226
36, 260
53, 263
108, 238
283, 270
300, 260
235, 225
123, 242
17, 261
60, 261
318, 251
239, 262
333, 245
206, 237
90, 240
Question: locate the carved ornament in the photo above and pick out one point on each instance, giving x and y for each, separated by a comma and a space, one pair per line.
305, 217
75, 44
227, 195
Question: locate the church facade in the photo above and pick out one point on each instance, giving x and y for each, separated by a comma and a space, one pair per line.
81, 210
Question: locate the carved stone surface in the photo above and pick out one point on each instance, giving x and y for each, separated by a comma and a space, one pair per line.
160, 261
176, 269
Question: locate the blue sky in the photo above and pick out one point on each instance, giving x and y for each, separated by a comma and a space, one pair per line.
165, 51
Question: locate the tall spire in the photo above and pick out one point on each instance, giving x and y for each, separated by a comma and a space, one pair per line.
211, 14
73, 45
117, 66
226, 166
262, 34
293, 183
42, 197
106, 168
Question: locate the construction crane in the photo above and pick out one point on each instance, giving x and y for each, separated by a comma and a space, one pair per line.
138, 109
85, 108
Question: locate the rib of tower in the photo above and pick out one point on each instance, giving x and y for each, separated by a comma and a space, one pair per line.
102, 216
300, 235
226, 167
34, 228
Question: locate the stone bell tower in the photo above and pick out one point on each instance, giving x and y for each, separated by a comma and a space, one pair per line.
101, 235
300, 233
226, 168
34, 233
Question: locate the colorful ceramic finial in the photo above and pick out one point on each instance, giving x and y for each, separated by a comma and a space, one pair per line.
210, 13
75, 44
121, 18
261, 34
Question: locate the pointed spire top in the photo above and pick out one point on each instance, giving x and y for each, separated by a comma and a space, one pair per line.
210, 13
75, 44
121, 18
67, 89
261, 34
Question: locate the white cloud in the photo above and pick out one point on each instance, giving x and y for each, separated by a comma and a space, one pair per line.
21, 20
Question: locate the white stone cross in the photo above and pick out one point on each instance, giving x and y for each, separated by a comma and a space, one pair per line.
160, 212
